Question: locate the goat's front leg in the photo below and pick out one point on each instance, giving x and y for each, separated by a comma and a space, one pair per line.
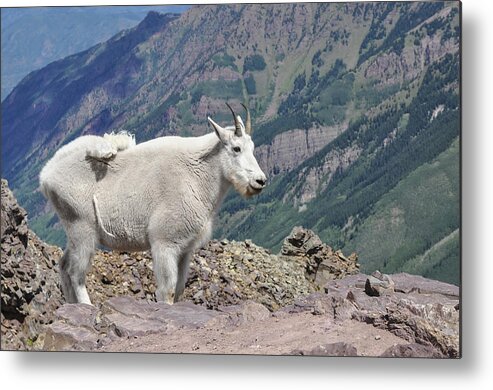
165, 264
183, 268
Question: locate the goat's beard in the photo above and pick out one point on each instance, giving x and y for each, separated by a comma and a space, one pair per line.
250, 191
244, 188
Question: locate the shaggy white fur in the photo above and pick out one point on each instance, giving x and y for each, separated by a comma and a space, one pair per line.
110, 144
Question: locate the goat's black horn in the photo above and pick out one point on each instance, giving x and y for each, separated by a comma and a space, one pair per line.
248, 124
238, 132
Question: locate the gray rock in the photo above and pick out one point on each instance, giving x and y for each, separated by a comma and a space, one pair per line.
315, 303
301, 242
121, 325
77, 314
379, 284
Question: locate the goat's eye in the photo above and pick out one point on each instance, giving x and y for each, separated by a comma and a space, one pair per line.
237, 149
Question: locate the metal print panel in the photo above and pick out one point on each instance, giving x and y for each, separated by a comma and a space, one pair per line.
273, 179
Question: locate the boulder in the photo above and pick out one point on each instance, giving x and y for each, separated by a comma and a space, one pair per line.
379, 284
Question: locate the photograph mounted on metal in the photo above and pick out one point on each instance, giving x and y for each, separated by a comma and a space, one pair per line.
268, 179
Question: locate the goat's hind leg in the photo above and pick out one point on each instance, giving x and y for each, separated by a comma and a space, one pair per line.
74, 265
73, 268
65, 280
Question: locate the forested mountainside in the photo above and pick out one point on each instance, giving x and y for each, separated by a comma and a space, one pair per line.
355, 110
32, 37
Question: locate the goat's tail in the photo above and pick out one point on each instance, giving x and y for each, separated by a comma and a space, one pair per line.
98, 217
109, 145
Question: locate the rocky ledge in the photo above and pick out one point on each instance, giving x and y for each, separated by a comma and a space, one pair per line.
240, 298
415, 318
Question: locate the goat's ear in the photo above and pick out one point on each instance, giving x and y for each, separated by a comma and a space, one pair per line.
221, 133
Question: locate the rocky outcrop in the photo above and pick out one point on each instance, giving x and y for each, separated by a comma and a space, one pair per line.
240, 298
411, 350
321, 263
30, 292
228, 272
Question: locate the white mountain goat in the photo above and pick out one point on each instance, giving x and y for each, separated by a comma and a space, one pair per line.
160, 195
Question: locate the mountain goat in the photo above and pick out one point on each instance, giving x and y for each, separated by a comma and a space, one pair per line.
160, 195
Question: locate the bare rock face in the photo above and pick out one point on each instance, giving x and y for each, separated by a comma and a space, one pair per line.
289, 149
316, 179
392, 67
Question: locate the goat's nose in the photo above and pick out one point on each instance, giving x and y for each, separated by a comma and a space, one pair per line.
261, 182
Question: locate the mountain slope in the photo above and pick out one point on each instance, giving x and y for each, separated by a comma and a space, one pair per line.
348, 101
416, 221
32, 37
